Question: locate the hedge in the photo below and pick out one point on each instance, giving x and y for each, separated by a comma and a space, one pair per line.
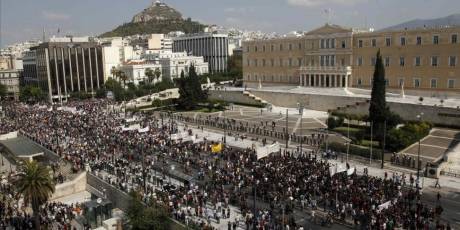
355, 150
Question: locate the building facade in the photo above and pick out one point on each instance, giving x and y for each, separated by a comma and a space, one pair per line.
135, 71
158, 42
66, 66
334, 56
213, 47
6, 62
421, 59
29, 76
10, 79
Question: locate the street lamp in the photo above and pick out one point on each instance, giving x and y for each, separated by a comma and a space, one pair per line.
172, 171
300, 107
419, 118
225, 123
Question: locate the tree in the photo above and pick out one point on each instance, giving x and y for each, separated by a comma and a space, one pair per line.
190, 90
157, 73
149, 74
31, 94
378, 109
3, 91
36, 185
115, 72
141, 217
123, 77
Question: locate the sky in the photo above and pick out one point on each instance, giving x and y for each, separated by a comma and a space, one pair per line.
21, 20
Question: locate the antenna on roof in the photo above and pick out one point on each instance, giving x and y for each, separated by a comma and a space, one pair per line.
44, 38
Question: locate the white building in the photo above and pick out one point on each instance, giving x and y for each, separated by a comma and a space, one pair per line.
117, 51
158, 42
135, 71
173, 63
10, 79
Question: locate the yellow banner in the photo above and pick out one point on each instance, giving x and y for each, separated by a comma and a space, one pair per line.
217, 148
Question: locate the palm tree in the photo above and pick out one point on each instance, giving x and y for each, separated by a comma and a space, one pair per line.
123, 77
157, 73
36, 185
115, 72
149, 74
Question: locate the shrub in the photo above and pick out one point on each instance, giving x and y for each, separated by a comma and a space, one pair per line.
398, 139
354, 150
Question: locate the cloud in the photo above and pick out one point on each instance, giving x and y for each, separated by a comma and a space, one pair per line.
55, 16
322, 2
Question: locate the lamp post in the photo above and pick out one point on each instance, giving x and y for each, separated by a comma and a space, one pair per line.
224, 124
300, 106
172, 171
348, 135
419, 118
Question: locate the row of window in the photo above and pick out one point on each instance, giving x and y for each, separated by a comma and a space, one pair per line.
288, 62
330, 43
403, 41
435, 61
279, 47
416, 82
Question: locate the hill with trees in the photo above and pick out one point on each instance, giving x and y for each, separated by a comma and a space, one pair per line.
158, 18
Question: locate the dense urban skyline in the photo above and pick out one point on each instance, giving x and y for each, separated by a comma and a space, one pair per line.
88, 17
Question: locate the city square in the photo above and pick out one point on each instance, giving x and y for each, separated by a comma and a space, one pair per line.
281, 115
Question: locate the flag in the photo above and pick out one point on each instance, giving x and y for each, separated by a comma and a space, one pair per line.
385, 205
216, 148
146, 129
264, 151
350, 171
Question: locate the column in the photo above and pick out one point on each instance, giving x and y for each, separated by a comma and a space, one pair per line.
301, 80
311, 80
78, 71
56, 75
84, 68
48, 74
90, 69
63, 71
70, 67
97, 67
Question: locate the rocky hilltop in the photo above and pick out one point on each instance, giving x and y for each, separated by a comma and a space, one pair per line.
157, 18
157, 11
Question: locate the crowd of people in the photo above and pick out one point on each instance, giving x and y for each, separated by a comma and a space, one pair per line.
199, 187
52, 215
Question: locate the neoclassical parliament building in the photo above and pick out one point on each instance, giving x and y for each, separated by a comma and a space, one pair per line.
424, 59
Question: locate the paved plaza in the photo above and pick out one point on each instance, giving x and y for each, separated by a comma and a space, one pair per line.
435, 146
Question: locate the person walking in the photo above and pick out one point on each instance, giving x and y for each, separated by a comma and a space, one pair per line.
437, 183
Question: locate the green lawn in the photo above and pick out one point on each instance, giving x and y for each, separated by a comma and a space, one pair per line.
344, 130
368, 143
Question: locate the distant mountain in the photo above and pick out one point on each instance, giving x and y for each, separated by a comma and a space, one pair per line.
158, 18
451, 20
